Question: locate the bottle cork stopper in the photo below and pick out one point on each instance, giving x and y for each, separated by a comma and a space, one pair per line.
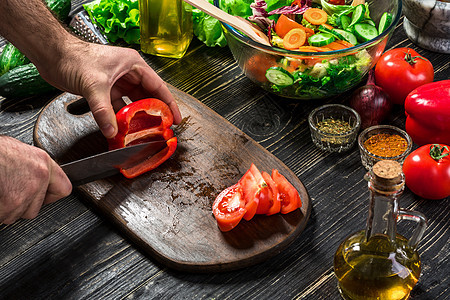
388, 171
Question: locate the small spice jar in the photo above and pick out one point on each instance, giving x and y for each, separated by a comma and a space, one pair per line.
334, 127
383, 142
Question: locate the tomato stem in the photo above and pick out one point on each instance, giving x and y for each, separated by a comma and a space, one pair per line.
437, 151
412, 59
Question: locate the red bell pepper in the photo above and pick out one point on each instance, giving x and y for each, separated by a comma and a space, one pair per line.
427, 110
144, 121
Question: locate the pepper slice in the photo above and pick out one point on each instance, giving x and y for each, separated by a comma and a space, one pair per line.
153, 161
140, 122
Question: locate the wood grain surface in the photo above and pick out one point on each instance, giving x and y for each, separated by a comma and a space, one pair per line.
72, 251
167, 212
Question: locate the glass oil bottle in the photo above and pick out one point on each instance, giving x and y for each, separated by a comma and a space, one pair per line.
379, 263
166, 27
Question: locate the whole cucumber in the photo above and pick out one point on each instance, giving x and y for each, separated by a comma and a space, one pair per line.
23, 81
60, 7
10, 58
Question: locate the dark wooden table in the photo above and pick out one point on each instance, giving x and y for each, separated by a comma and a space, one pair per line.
71, 252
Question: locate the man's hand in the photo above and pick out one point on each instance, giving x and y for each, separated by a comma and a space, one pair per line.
103, 74
29, 178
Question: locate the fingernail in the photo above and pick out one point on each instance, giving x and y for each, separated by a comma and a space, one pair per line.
108, 130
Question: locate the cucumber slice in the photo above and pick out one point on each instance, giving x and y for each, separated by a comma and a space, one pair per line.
369, 21
279, 76
358, 14
330, 31
385, 21
321, 39
365, 32
337, 35
348, 36
344, 21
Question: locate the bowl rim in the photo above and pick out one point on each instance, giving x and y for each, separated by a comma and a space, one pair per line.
350, 132
280, 51
389, 127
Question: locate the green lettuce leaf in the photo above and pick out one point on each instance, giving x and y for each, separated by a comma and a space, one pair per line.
118, 19
208, 29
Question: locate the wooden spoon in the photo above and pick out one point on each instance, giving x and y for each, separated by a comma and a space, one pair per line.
241, 24
357, 2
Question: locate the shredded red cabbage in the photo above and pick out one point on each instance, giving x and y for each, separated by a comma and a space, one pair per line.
260, 15
295, 9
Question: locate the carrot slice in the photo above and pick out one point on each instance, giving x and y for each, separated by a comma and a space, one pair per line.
327, 26
297, 2
285, 24
344, 43
313, 49
294, 39
335, 46
315, 16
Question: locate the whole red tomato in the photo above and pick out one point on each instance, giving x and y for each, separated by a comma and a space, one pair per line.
401, 70
427, 171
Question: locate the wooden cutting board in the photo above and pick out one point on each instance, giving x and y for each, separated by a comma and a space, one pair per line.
167, 212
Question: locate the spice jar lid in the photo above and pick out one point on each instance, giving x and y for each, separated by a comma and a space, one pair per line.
388, 172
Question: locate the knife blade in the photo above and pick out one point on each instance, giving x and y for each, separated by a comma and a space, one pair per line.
108, 163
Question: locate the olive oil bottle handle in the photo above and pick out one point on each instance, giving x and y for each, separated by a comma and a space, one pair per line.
422, 224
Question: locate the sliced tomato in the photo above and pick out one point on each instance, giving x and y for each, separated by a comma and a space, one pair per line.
290, 199
229, 207
274, 198
263, 194
249, 191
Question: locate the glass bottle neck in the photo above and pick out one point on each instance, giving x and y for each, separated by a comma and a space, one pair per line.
383, 210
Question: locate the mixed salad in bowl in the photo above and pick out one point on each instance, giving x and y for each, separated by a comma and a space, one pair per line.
319, 48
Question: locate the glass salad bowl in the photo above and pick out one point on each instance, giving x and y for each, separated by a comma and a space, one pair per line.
306, 74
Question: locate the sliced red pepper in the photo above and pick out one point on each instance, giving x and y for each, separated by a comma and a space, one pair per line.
153, 161
140, 122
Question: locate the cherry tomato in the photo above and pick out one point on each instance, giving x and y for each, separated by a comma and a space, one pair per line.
290, 199
228, 208
427, 171
401, 70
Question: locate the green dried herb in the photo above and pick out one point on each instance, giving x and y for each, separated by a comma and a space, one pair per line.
334, 126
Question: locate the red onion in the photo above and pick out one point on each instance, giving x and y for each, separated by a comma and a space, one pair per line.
371, 102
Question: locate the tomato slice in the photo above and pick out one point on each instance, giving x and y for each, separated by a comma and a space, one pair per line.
274, 198
290, 199
249, 190
263, 192
229, 207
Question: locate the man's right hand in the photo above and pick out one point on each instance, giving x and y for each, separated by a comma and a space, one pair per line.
29, 178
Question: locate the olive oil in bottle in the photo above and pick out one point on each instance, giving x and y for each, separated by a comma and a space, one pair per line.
379, 263
376, 269
166, 27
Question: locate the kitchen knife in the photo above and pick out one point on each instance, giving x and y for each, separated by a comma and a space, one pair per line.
108, 163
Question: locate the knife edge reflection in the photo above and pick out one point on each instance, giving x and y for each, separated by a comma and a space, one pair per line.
109, 163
